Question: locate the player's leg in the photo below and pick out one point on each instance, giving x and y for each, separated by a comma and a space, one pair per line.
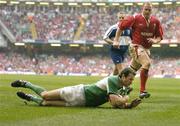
29, 97
40, 101
140, 59
51, 95
135, 66
117, 59
117, 68
61, 93
145, 61
21, 83
120, 67
54, 103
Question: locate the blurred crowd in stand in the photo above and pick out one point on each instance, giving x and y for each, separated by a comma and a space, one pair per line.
44, 64
62, 22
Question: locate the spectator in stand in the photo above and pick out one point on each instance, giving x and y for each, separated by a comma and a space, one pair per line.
52, 22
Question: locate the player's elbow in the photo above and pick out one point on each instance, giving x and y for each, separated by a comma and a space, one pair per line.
158, 39
105, 39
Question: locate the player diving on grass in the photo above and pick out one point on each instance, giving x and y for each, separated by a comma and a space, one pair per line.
114, 89
118, 54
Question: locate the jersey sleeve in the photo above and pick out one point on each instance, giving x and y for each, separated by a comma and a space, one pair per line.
111, 32
115, 88
112, 87
159, 30
106, 35
126, 23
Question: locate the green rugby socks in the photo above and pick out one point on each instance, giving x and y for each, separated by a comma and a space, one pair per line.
36, 99
37, 89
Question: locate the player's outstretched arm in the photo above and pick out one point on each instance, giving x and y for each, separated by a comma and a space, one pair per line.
109, 41
118, 100
126, 105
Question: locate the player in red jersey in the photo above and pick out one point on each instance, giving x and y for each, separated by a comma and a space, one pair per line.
146, 30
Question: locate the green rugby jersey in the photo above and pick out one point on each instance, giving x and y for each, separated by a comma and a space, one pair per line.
97, 94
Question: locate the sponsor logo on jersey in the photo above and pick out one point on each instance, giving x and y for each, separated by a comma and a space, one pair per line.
147, 34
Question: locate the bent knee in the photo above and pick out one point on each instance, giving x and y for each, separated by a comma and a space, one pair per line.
146, 65
44, 95
45, 103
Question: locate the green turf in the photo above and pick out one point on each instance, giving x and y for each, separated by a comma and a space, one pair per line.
162, 109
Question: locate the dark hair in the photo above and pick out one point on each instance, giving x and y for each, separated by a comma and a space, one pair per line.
126, 72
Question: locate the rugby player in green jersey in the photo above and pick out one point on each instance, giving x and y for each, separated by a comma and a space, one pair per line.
114, 89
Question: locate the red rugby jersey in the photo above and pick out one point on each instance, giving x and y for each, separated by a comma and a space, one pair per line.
142, 29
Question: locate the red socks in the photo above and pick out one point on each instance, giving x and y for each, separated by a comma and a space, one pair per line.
143, 77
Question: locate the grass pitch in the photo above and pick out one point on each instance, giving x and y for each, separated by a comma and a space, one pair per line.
161, 109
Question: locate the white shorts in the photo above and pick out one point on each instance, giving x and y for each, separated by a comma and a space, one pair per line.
73, 95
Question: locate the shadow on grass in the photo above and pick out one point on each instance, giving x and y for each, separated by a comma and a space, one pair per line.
29, 104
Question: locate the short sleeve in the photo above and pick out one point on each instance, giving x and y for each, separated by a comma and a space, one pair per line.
112, 87
159, 30
126, 23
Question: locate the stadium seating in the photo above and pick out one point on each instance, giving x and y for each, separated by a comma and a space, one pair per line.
87, 65
61, 23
